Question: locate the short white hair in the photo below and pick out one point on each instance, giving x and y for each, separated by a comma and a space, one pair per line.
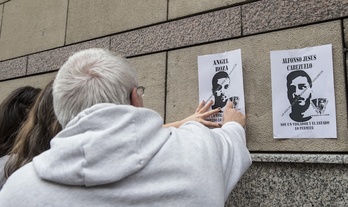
89, 77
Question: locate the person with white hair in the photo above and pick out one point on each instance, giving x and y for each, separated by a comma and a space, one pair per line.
114, 152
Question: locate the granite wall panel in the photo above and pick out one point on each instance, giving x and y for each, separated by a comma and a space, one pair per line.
268, 15
13, 68
178, 8
151, 71
291, 184
194, 30
38, 81
1, 14
53, 59
345, 32
182, 79
90, 19
32, 26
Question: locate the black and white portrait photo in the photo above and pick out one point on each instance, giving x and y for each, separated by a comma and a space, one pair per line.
303, 96
299, 90
220, 79
220, 90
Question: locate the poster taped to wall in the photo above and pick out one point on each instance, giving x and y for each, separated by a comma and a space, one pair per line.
303, 96
220, 79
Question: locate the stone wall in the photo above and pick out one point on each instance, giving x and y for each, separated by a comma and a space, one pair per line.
163, 39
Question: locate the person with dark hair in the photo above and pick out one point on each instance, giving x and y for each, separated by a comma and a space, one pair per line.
36, 132
13, 111
299, 85
114, 152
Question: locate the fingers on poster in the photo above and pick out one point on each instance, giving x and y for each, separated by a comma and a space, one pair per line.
303, 97
221, 80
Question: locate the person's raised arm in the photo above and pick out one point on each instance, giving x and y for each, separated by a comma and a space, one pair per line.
201, 114
231, 142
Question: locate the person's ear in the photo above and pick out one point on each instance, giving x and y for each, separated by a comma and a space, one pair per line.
135, 99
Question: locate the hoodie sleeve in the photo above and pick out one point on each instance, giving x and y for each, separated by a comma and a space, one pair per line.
235, 157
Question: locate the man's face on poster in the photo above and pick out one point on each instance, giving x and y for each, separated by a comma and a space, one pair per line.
299, 93
220, 90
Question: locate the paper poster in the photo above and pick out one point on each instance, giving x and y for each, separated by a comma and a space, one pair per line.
303, 96
221, 79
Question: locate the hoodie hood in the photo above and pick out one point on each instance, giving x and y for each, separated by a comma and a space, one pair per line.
103, 144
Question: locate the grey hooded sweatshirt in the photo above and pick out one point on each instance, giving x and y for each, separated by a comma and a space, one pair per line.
117, 155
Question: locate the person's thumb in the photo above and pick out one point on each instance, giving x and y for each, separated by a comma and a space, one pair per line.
230, 104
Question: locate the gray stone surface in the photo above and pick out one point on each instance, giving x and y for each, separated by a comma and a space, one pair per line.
4, 1
151, 74
267, 15
178, 8
182, 95
291, 184
301, 158
194, 30
90, 19
53, 59
13, 68
32, 26
39, 81
1, 11
345, 32
345, 25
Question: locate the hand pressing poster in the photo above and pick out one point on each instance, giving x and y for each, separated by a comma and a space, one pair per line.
221, 79
303, 93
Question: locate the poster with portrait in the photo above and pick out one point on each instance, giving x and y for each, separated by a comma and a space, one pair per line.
220, 79
303, 96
